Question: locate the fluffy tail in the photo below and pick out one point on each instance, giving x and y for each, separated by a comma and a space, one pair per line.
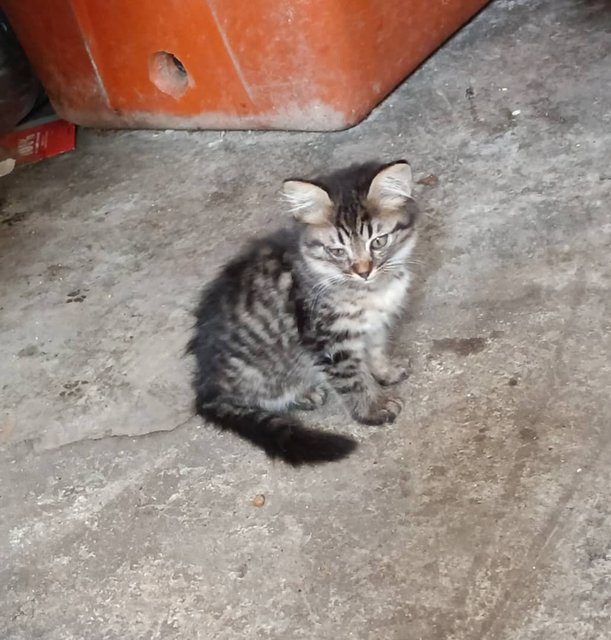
280, 436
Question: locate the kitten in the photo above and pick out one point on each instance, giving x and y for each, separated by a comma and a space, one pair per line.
307, 310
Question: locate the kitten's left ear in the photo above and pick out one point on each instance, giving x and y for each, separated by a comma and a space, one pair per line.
392, 186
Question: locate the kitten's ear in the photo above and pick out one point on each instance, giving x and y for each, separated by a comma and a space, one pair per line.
309, 203
392, 186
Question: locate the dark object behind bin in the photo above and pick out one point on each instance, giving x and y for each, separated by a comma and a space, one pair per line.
19, 88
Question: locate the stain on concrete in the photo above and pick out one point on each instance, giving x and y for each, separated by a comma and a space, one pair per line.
27, 352
75, 296
527, 434
460, 346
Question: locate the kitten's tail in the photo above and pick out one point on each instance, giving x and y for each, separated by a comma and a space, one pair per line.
280, 436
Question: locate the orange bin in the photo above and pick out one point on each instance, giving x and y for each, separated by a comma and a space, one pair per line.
228, 64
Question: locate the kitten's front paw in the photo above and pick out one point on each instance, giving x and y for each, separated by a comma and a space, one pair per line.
384, 412
393, 374
313, 399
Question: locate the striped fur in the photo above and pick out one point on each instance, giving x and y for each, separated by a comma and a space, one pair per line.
307, 310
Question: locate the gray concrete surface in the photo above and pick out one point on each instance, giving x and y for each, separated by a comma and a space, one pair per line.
483, 514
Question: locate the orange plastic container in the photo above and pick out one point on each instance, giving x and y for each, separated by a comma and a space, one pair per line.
228, 64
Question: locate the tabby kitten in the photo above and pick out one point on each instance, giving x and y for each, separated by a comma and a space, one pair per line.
307, 310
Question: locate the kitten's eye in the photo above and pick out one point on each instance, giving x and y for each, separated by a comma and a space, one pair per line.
336, 252
379, 242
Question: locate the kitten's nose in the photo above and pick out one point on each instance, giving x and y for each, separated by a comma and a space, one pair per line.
363, 268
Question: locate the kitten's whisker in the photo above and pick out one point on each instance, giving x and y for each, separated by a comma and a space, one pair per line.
398, 264
322, 287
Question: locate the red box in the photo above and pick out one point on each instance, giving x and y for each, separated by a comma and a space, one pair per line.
41, 135
228, 64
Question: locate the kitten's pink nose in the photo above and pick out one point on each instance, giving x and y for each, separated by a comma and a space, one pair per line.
362, 268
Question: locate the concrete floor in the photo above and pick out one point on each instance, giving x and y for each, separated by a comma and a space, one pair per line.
483, 514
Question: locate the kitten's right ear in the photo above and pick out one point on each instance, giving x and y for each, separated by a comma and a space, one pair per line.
308, 202
391, 188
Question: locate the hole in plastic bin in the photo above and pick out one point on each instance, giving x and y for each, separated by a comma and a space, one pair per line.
168, 74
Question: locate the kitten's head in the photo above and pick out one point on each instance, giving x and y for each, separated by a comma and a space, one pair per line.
358, 223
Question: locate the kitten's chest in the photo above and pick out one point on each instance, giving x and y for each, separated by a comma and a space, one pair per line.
372, 311
381, 308
390, 299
